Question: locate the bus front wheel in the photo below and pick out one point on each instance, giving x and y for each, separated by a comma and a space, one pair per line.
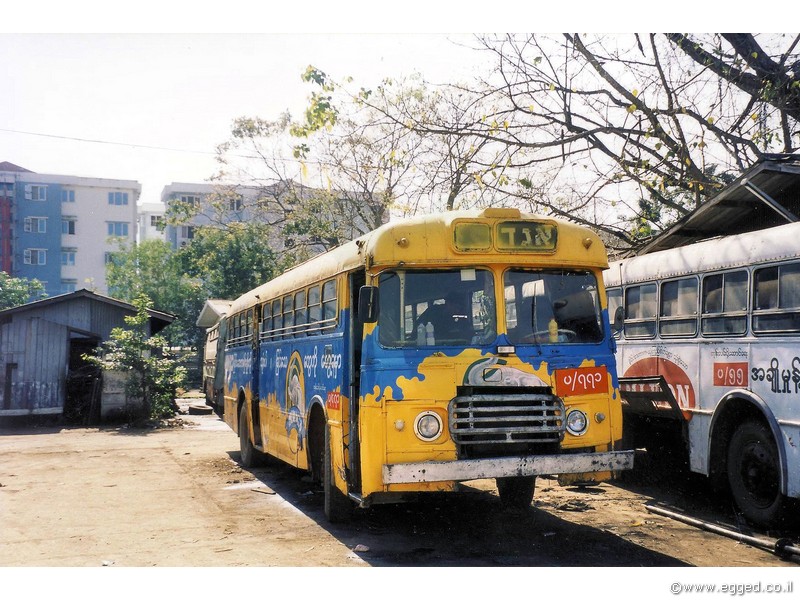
516, 493
754, 474
338, 507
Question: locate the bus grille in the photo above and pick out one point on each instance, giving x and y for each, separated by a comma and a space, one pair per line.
506, 416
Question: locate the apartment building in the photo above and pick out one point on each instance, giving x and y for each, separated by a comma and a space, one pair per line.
151, 221
194, 195
60, 229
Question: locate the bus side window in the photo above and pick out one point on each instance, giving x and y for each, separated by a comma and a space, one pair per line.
314, 310
288, 316
277, 319
329, 304
724, 304
640, 311
678, 316
266, 321
776, 299
237, 329
300, 312
614, 296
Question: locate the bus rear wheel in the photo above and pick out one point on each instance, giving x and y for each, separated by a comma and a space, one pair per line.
338, 507
516, 493
250, 457
754, 474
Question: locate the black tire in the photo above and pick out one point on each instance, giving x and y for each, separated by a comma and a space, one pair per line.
754, 474
250, 457
338, 507
516, 493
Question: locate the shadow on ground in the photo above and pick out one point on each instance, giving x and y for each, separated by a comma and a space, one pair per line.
466, 529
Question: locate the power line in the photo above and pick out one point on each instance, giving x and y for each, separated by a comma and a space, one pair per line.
77, 139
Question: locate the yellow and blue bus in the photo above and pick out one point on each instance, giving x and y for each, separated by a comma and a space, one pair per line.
431, 351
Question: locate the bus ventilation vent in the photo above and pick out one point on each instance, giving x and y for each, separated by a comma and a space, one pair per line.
517, 415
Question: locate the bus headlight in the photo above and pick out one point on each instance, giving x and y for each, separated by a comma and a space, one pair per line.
428, 426
577, 423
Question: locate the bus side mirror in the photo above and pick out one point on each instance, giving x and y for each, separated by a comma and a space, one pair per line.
619, 320
368, 304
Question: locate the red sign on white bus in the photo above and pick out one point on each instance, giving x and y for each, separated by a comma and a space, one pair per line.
731, 374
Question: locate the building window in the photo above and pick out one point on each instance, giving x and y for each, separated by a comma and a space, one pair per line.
36, 224
68, 225
68, 285
36, 192
117, 229
35, 256
187, 232
191, 200
68, 195
156, 220
68, 257
235, 204
118, 198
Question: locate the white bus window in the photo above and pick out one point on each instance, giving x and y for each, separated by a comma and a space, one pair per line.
776, 299
614, 296
725, 304
678, 315
640, 311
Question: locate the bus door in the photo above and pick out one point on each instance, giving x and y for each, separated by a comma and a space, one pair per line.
218, 386
357, 280
254, 320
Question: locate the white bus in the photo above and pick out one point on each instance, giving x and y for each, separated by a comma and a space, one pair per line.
709, 352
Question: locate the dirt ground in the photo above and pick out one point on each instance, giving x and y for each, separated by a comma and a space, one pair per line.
111, 496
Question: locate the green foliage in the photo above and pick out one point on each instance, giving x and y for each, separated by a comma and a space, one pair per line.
321, 112
228, 261
153, 375
15, 291
153, 269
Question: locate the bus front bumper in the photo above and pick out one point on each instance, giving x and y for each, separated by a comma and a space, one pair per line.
515, 466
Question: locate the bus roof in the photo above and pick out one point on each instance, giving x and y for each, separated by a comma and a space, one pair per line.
774, 243
424, 239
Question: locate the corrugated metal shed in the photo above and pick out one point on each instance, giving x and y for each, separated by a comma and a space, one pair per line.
766, 195
41, 344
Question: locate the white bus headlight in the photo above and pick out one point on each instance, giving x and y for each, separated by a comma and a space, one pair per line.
428, 426
577, 422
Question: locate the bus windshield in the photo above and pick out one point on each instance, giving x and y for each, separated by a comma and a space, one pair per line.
453, 307
552, 306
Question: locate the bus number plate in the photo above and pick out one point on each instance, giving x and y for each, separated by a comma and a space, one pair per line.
731, 374
582, 381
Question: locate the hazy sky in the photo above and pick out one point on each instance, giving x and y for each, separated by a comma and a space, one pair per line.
153, 100
155, 105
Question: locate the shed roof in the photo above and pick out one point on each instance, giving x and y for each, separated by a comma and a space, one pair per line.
765, 195
158, 319
212, 311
